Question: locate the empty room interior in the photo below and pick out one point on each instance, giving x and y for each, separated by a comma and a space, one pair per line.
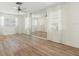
39, 29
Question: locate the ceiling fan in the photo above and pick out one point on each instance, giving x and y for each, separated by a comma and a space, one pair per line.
20, 8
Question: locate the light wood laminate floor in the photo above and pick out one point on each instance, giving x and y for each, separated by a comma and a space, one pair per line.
40, 34
23, 45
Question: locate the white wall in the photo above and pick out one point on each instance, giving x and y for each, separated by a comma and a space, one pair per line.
27, 23
69, 31
0, 25
70, 13
20, 24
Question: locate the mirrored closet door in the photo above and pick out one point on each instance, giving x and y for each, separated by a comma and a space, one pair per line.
39, 30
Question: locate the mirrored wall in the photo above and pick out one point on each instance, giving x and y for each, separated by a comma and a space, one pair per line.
39, 24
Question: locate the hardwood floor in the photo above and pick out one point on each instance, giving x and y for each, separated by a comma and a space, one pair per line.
23, 45
40, 34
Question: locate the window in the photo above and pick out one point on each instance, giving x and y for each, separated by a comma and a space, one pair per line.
9, 20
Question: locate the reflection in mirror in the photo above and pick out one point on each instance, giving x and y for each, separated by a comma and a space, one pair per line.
39, 25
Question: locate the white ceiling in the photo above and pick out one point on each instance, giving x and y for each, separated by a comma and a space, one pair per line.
8, 7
